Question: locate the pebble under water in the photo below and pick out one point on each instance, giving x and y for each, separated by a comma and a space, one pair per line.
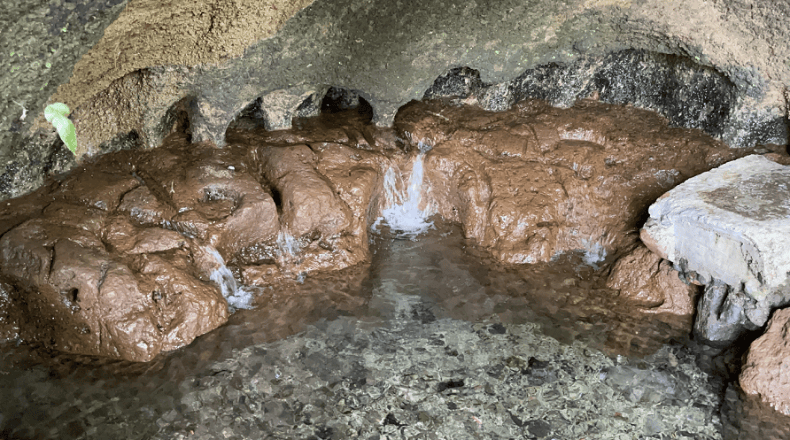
431, 340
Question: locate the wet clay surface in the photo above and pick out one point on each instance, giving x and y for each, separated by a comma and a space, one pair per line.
118, 258
764, 374
646, 280
747, 416
85, 279
126, 257
534, 182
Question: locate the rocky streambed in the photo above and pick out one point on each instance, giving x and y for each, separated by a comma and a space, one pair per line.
432, 339
539, 315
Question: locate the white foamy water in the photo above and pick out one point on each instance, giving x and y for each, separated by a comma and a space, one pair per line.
287, 245
287, 248
238, 297
403, 214
594, 253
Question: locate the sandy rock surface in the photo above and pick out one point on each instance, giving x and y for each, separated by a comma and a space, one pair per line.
125, 67
728, 230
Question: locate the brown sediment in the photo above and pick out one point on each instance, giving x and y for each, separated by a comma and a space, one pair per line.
117, 258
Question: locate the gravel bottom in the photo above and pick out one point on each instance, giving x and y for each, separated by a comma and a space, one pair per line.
429, 342
428, 378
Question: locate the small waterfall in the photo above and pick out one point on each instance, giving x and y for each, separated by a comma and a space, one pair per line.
287, 250
594, 253
237, 297
403, 214
287, 246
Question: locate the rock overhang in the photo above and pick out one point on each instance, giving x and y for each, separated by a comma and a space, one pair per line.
390, 56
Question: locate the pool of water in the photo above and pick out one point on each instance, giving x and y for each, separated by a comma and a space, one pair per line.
432, 339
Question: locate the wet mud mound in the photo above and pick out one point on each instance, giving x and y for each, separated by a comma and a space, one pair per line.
533, 182
142, 251
127, 256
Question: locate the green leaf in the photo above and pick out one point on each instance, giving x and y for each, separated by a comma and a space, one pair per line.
55, 109
69, 137
56, 114
66, 131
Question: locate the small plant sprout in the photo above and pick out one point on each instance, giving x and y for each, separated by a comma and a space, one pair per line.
56, 114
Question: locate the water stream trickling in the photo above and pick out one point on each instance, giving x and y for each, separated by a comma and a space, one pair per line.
238, 297
403, 214
287, 246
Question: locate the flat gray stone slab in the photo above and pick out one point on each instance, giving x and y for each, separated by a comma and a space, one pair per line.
730, 225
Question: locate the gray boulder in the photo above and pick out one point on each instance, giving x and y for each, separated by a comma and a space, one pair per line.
729, 229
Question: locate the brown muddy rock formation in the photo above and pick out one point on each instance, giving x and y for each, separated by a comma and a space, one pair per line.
356, 177
327, 190
125, 257
142, 206
211, 194
78, 296
315, 221
747, 417
766, 373
265, 208
80, 188
129, 252
535, 181
650, 284
309, 205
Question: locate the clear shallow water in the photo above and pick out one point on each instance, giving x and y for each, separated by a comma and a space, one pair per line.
276, 371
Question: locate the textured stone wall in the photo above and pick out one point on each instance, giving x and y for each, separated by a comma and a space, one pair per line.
211, 59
